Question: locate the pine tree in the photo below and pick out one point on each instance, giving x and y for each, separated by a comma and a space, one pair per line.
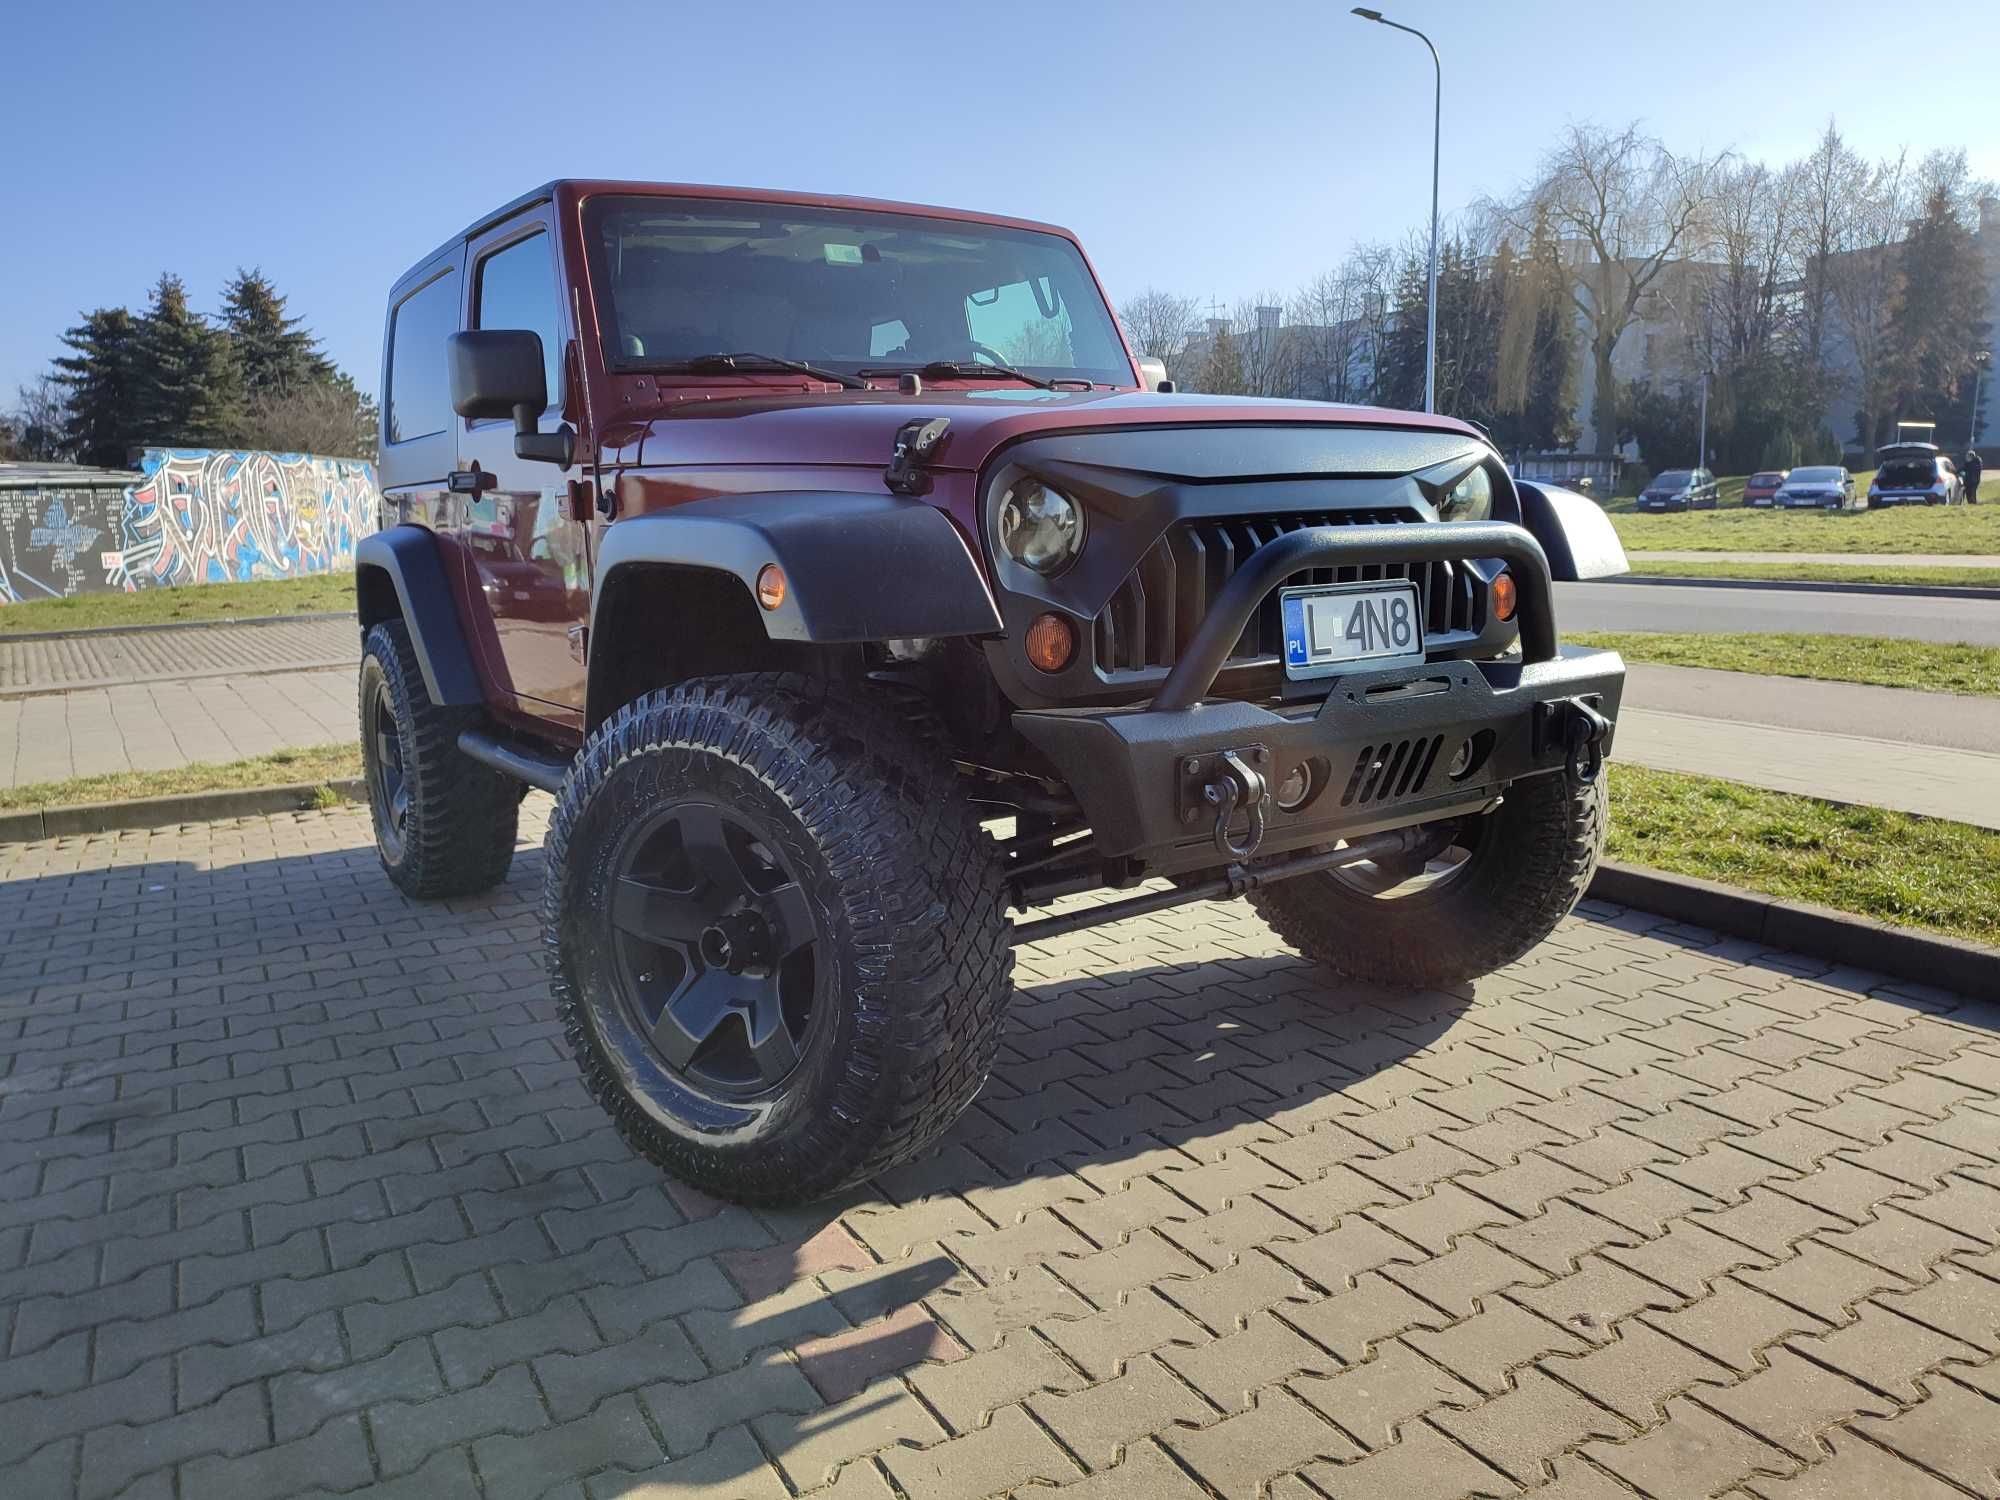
101, 375
1223, 374
1939, 321
274, 352
189, 390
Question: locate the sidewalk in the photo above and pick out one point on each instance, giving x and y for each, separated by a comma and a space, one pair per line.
1858, 559
1884, 747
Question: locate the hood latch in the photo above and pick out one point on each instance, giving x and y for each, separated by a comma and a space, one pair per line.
915, 442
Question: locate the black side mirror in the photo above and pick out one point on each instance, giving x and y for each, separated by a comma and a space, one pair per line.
497, 372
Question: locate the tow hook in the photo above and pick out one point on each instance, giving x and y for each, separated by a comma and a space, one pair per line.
1584, 732
1238, 786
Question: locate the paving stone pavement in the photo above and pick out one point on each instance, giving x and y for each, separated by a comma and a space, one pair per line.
161, 726
302, 1195
105, 658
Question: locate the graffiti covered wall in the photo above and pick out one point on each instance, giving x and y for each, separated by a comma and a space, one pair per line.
190, 516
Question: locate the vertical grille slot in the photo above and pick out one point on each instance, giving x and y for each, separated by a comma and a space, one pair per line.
1156, 611
1383, 773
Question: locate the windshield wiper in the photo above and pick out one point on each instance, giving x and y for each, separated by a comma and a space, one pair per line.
709, 364
965, 369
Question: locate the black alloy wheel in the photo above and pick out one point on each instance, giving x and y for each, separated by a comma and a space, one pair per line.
717, 951
388, 786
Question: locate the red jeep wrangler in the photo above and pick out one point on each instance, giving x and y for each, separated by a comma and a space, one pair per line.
832, 565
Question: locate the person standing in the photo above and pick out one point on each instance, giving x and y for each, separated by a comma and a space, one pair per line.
1969, 471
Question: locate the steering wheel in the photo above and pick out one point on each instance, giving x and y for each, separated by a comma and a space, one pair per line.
993, 356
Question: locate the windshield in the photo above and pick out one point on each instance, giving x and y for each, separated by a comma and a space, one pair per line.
1766, 479
1673, 479
842, 289
1815, 476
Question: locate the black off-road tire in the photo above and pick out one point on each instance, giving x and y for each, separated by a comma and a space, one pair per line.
911, 964
456, 829
1531, 863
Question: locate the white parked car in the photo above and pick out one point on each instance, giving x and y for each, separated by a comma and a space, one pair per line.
1914, 474
1821, 487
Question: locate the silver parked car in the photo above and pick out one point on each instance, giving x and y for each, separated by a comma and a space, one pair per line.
1822, 487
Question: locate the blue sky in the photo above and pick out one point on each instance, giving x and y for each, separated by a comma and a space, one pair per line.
1219, 150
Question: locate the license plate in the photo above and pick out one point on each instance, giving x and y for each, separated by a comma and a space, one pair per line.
1329, 629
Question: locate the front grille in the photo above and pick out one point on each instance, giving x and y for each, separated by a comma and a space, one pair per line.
1383, 773
1156, 611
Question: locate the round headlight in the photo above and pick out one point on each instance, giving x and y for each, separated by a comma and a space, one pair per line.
1471, 499
1041, 528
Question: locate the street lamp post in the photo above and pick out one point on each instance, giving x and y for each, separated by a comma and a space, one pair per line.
1437, 124
1981, 362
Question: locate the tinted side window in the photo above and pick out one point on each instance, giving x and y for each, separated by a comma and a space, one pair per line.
517, 289
419, 390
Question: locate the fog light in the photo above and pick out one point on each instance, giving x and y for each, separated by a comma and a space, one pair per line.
770, 585
1051, 642
1505, 597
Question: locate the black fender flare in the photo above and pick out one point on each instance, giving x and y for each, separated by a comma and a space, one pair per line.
1574, 531
407, 557
858, 567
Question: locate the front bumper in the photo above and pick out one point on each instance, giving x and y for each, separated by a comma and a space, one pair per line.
1385, 748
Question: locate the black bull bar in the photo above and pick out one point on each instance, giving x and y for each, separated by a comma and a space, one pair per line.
1184, 782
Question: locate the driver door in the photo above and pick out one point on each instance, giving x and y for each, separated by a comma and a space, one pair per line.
530, 556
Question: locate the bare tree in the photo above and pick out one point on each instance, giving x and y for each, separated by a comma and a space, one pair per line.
39, 418
1865, 279
1161, 324
1824, 188
1631, 207
1754, 235
326, 417
1266, 347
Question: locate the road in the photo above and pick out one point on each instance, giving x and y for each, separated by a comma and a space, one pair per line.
1716, 611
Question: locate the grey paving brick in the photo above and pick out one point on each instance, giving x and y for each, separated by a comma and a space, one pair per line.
207, 1370
300, 1255
145, 1395
373, 1327
614, 1437
469, 1355
115, 1455
44, 1319
301, 1401
574, 1383
337, 1454
405, 1434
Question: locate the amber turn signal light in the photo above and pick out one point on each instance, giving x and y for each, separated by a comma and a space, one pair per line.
1051, 642
770, 585
1506, 596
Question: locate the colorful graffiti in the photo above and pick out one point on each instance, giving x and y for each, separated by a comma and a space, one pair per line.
192, 516
202, 517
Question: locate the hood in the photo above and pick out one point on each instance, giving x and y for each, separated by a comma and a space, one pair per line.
859, 428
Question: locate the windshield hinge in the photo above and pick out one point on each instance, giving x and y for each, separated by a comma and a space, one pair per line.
915, 442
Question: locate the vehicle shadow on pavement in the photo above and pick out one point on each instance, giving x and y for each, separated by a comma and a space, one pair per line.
338, 1137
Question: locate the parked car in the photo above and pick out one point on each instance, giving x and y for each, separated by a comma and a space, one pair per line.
1914, 474
1760, 487
836, 607
1819, 487
1680, 489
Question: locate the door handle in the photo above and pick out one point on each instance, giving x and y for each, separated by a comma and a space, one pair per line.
472, 481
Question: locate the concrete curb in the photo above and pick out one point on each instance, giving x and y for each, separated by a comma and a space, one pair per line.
167, 812
68, 635
1799, 585
1900, 952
